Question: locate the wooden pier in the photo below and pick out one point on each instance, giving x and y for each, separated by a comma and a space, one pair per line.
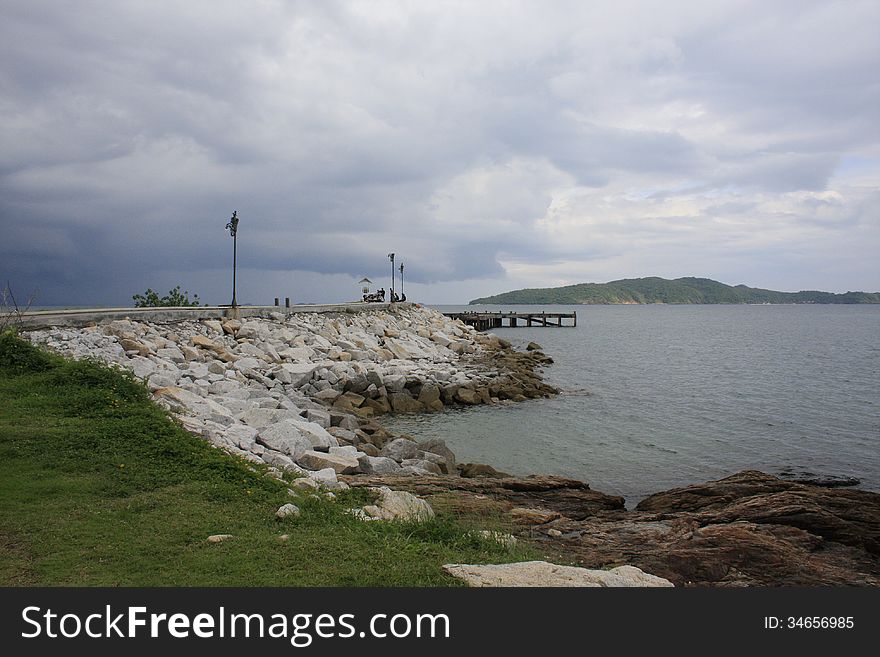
485, 321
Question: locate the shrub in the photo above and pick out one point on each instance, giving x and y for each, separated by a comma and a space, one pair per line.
151, 299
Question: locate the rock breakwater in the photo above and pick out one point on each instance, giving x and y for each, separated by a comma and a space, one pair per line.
300, 392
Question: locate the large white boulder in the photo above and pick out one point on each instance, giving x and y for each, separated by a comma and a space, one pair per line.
542, 573
284, 437
398, 505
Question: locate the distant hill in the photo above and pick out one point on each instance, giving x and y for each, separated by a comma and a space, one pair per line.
661, 290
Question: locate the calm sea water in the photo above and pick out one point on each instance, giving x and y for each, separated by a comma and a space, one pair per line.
662, 396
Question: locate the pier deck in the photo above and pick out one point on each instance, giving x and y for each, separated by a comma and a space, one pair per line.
484, 321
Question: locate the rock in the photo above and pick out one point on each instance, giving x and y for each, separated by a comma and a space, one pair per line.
231, 326
213, 325
259, 418
438, 446
467, 396
380, 405
398, 505
287, 511
401, 402
395, 383
141, 367
423, 465
357, 384
304, 483
284, 437
571, 498
400, 449
318, 416
351, 399
246, 365
207, 343
378, 465
429, 394
282, 462
134, 345
191, 354
178, 398
329, 394
327, 479
534, 346
316, 434
219, 538
849, 517
295, 374
470, 470
533, 516
441, 338
542, 573
555, 533
340, 463
507, 540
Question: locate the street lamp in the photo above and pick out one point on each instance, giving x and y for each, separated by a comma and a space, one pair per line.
391, 296
232, 227
402, 295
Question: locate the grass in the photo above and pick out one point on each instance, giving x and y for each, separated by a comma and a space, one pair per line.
100, 487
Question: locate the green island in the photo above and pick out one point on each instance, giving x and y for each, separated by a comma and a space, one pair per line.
686, 290
99, 486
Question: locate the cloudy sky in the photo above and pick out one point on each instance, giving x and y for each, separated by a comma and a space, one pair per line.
490, 145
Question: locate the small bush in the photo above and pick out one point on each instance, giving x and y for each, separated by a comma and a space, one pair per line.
174, 298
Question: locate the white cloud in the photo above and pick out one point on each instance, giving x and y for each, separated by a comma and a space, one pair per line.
491, 145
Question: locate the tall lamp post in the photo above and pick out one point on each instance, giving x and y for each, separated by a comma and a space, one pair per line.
232, 227
402, 295
391, 296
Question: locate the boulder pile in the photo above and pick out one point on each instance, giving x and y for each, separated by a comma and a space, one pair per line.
299, 391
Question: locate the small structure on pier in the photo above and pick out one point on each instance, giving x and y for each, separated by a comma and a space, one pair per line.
484, 321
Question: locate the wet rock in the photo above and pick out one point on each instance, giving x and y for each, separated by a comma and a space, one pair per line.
438, 446
400, 449
470, 470
401, 402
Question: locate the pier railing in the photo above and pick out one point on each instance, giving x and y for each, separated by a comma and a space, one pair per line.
484, 321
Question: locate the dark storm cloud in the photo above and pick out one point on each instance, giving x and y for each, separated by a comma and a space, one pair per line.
479, 141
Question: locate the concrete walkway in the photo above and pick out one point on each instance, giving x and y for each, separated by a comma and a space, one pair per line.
80, 317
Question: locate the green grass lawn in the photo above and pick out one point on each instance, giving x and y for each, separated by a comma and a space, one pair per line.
100, 487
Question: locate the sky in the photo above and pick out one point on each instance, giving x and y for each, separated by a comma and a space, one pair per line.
490, 145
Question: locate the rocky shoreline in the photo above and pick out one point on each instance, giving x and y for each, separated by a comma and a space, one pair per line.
303, 394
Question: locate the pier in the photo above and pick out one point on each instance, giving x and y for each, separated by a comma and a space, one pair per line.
484, 321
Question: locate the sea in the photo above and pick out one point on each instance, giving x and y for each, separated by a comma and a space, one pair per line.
661, 396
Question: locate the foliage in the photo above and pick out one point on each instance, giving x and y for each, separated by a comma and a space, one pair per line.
175, 298
19, 356
100, 487
661, 290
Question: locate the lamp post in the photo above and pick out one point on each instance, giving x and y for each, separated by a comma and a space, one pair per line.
402, 295
391, 296
232, 227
